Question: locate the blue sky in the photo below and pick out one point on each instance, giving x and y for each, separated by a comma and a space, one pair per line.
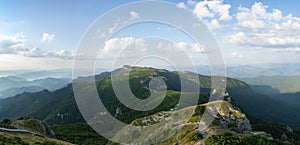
46, 34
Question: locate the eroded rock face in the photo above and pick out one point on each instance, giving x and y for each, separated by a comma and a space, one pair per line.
229, 116
289, 129
244, 125
235, 124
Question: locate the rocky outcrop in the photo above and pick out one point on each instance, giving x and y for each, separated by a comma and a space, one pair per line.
229, 116
262, 134
35, 126
244, 125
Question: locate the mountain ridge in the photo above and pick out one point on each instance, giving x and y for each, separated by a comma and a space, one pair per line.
61, 103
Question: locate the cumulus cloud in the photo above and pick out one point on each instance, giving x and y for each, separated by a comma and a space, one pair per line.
102, 33
191, 2
38, 53
214, 24
221, 9
47, 37
134, 15
181, 5
129, 50
297, 50
210, 9
115, 46
11, 43
15, 45
254, 26
260, 27
202, 11
110, 31
211, 12
257, 17
264, 39
188, 47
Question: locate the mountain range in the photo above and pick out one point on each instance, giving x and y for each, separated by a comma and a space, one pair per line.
59, 107
265, 107
12, 85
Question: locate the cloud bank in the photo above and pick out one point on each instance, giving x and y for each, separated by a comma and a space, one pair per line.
16, 45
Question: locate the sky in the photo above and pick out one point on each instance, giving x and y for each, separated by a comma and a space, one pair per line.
46, 34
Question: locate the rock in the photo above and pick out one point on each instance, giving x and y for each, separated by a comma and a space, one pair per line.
284, 137
289, 129
118, 112
262, 134
244, 125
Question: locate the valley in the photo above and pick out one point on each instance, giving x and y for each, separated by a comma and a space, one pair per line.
236, 121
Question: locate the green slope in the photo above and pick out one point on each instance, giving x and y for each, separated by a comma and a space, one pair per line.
59, 107
27, 132
285, 84
43, 105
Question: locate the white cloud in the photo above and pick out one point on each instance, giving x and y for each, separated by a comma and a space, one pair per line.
34, 52
210, 9
181, 5
11, 43
257, 16
134, 15
113, 28
60, 54
121, 51
47, 37
297, 50
221, 9
38, 53
202, 11
212, 13
115, 46
15, 45
182, 47
263, 39
214, 24
258, 26
13, 62
191, 2
102, 34
196, 47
